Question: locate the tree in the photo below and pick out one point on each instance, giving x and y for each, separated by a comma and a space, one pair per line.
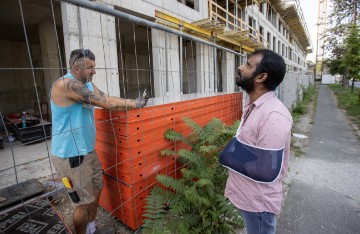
342, 41
352, 55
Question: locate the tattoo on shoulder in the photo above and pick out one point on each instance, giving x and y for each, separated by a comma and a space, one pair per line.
86, 95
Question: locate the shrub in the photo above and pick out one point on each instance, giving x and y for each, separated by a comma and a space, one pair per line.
194, 203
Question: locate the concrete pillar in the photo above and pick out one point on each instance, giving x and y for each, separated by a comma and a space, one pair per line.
91, 30
228, 68
205, 69
49, 53
165, 51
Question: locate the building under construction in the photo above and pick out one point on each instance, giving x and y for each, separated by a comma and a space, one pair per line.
185, 53
132, 55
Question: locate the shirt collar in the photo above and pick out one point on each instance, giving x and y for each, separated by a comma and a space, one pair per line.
260, 100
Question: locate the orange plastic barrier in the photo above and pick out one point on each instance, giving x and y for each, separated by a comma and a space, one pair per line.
129, 144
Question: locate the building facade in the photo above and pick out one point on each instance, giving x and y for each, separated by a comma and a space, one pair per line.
131, 57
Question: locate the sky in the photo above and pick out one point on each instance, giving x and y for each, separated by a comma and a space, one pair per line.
310, 11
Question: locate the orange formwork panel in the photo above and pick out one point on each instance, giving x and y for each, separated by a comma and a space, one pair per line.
134, 168
129, 145
117, 154
142, 114
137, 173
163, 122
134, 128
132, 217
166, 121
135, 141
130, 191
126, 202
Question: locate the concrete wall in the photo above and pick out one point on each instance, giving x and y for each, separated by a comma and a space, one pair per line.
172, 7
17, 88
91, 30
165, 50
291, 89
229, 72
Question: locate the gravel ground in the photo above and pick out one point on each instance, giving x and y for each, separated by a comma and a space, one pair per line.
105, 222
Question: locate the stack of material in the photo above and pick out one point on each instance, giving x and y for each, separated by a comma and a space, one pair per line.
35, 130
129, 144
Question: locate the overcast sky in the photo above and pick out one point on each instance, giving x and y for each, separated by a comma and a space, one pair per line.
310, 11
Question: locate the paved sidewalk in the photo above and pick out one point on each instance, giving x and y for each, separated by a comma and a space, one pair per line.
324, 194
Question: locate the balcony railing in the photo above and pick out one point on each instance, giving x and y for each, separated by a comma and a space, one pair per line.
235, 25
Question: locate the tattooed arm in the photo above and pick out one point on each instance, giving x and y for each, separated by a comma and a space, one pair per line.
77, 92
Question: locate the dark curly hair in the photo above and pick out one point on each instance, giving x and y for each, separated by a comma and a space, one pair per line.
272, 64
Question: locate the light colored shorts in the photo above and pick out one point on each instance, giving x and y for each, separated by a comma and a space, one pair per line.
85, 178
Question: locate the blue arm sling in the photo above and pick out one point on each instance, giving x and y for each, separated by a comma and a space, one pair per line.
255, 163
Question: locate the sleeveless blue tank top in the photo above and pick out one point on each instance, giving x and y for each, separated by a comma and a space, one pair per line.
73, 127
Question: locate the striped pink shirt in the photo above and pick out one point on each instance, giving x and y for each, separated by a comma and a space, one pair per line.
266, 123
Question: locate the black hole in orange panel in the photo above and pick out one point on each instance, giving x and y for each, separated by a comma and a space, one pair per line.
140, 175
139, 152
140, 187
137, 128
138, 140
120, 141
119, 129
139, 164
172, 108
138, 116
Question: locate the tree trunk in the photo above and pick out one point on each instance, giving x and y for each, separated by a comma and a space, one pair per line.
355, 12
352, 85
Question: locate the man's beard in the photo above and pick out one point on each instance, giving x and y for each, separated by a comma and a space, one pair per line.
86, 79
246, 83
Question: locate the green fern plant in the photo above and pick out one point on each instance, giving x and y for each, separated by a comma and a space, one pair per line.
194, 203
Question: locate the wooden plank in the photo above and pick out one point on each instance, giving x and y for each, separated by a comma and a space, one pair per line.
21, 191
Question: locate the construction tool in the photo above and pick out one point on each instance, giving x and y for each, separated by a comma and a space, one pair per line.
72, 193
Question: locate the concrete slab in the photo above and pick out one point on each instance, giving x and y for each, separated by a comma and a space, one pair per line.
19, 162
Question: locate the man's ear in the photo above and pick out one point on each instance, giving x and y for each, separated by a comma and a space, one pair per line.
75, 68
261, 77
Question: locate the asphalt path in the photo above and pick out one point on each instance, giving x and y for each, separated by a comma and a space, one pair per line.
324, 194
